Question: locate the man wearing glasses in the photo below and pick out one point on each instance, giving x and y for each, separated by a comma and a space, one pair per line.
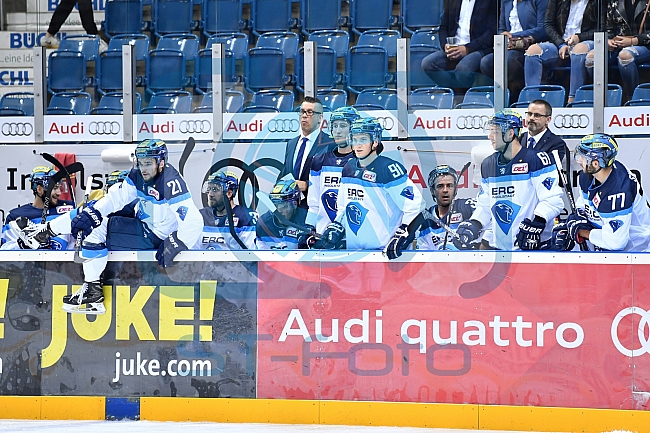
539, 137
302, 149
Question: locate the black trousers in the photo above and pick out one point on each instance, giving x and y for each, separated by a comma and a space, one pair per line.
64, 9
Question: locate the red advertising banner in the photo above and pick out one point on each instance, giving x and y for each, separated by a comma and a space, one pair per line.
569, 335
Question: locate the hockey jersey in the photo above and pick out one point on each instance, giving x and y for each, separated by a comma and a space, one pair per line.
272, 235
617, 209
432, 237
216, 229
60, 242
524, 187
374, 201
324, 182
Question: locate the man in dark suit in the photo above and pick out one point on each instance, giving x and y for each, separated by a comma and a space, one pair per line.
539, 137
302, 149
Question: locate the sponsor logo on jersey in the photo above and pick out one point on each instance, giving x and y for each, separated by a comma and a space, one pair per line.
505, 212
331, 181
407, 192
355, 214
63, 209
615, 224
292, 232
548, 183
182, 212
520, 168
153, 192
455, 218
503, 191
329, 203
369, 176
596, 200
355, 194
213, 240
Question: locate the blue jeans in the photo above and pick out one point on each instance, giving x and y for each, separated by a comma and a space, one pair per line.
629, 70
451, 73
535, 64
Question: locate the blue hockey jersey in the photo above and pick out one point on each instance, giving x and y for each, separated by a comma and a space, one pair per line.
60, 242
432, 237
271, 235
216, 231
617, 209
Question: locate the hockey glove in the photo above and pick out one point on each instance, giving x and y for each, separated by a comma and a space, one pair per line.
576, 222
530, 233
169, 249
561, 241
307, 240
85, 221
398, 243
467, 231
332, 238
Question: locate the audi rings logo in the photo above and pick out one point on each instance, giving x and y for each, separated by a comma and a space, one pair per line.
573, 121
283, 125
386, 122
472, 122
644, 323
15, 129
194, 126
104, 128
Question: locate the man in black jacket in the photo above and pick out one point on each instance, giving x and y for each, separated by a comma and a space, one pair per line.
538, 136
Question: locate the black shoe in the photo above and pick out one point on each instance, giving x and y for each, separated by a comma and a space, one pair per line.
89, 299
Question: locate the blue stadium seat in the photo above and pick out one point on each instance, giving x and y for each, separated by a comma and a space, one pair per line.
366, 67
237, 43
70, 103
382, 38
338, 40
141, 44
256, 109
286, 41
233, 102
282, 100
332, 98
641, 95
203, 71
265, 69
473, 105
88, 45
21, 100
6, 111
320, 15
326, 75
172, 16
428, 37
271, 16
371, 14
113, 103
169, 103
585, 96
377, 99
165, 71
66, 72
552, 94
109, 72
441, 98
417, 76
123, 17
221, 16
187, 44
482, 95
418, 14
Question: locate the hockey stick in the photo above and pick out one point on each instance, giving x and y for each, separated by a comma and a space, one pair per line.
266, 201
55, 162
567, 191
77, 244
187, 151
58, 177
231, 222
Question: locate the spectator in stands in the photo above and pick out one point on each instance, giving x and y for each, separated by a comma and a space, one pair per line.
538, 136
473, 23
523, 23
61, 14
301, 150
567, 23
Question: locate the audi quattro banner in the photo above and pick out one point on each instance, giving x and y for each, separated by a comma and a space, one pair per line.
16, 129
627, 120
189, 332
103, 128
452, 331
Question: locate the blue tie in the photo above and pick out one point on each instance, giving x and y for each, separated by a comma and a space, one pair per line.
531, 142
298, 164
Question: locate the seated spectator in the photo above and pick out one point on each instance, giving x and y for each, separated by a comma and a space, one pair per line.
567, 23
473, 24
524, 25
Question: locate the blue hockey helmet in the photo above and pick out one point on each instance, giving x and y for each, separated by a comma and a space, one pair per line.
152, 148
597, 147
442, 170
349, 114
285, 191
227, 179
507, 119
370, 126
40, 176
116, 176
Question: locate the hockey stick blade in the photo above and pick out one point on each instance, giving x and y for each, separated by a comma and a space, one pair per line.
567, 190
77, 245
58, 177
231, 223
60, 167
266, 201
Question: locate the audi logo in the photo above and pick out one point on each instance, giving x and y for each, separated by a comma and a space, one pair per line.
104, 128
472, 122
386, 122
571, 121
643, 323
194, 126
283, 125
12, 129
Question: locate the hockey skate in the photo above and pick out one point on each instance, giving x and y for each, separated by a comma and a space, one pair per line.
89, 299
33, 235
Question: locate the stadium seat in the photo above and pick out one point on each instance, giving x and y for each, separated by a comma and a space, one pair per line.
235, 42
186, 44
221, 16
473, 105
282, 100
441, 98
332, 98
169, 103
256, 109
271, 16
481, 95
265, 69
638, 103
70, 103
21, 100
172, 16
123, 17
320, 15
66, 72
286, 41
325, 76
203, 71
6, 111
417, 76
338, 40
233, 102
371, 14
165, 71
366, 67
585, 96
109, 72
428, 37
376, 99
113, 103
141, 44
552, 94
418, 14
382, 38
641, 95
88, 45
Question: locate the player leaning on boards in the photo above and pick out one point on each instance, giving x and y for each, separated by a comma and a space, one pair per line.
165, 219
271, 232
221, 188
376, 199
519, 194
612, 214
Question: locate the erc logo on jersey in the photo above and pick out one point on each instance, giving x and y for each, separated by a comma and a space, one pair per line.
355, 214
329, 202
505, 212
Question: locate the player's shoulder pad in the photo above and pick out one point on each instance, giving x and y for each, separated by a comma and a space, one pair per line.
465, 206
208, 216
489, 165
388, 170
619, 190
243, 214
536, 160
173, 186
584, 180
350, 168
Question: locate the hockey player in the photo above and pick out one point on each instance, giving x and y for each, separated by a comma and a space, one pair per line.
221, 188
519, 191
376, 198
326, 168
166, 219
612, 213
271, 233
39, 180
